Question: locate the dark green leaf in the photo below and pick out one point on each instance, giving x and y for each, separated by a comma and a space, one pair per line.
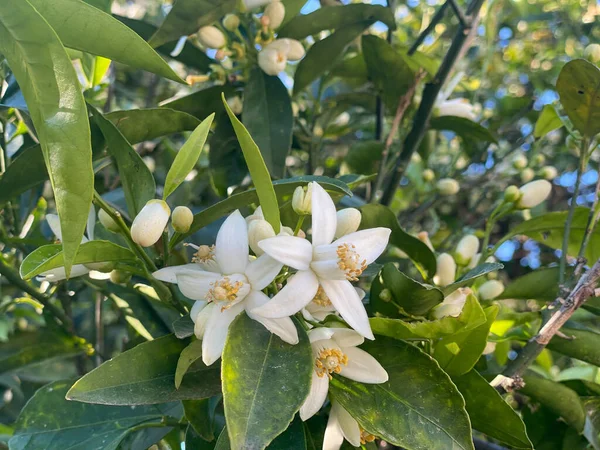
541, 284
183, 327
146, 375
269, 119
188, 356
548, 121
470, 132
225, 158
260, 373
363, 156
202, 103
418, 408
468, 278
291, 439
578, 344
199, 415
51, 89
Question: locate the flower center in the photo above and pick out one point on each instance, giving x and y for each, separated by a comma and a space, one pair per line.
365, 437
203, 254
224, 291
330, 360
321, 298
350, 262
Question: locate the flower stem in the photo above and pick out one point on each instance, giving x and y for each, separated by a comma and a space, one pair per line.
299, 225
499, 211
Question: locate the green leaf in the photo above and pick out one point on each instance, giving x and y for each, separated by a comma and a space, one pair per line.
83, 27
27, 348
269, 119
468, 278
146, 375
540, 284
381, 216
559, 399
489, 413
548, 121
187, 156
579, 344
471, 317
292, 9
202, 103
363, 156
48, 421
323, 55
188, 356
260, 372
294, 438
186, 16
578, 85
470, 132
183, 327
198, 413
258, 170
51, 89
418, 408
412, 297
137, 180
336, 17
458, 353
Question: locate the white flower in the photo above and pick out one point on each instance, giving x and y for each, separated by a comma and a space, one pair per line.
276, 13
326, 264
182, 219
341, 425
446, 270
459, 107
334, 350
452, 304
149, 224
211, 37
490, 289
348, 221
259, 230
534, 193
232, 285
320, 307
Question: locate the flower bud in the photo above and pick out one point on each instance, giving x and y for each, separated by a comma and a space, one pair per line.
120, 277
452, 304
592, 52
251, 4
527, 175
150, 163
549, 172
211, 37
539, 159
348, 221
534, 193
257, 231
150, 223
104, 267
446, 270
423, 236
466, 249
231, 22
428, 175
276, 13
302, 200
519, 161
236, 105
182, 219
273, 58
385, 295
459, 107
512, 194
448, 186
490, 289
108, 221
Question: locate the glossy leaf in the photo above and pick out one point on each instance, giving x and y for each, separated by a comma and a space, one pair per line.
540, 284
418, 408
579, 344
469, 278
381, 216
186, 16
203, 103
260, 372
548, 121
269, 119
187, 156
198, 413
489, 413
363, 156
470, 132
578, 85
294, 438
292, 9
188, 356
335, 17
51, 89
137, 180
49, 421
183, 327
146, 375
258, 171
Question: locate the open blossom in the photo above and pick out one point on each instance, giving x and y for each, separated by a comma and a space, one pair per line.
334, 351
224, 282
320, 307
341, 425
330, 265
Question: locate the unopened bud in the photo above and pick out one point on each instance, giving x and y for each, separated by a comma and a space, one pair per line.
257, 231
231, 22
466, 249
519, 161
527, 175
348, 221
448, 186
539, 159
592, 52
512, 194
490, 289
236, 105
272, 59
104, 267
385, 295
211, 37
423, 236
549, 172
182, 219
428, 175
107, 221
534, 193
452, 304
120, 277
446, 270
276, 13
150, 223
302, 200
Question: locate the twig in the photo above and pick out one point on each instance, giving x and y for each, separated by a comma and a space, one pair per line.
459, 14
99, 328
437, 17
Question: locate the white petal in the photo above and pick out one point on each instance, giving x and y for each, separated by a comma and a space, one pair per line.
289, 250
169, 274
196, 284
333, 438
347, 424
369, 244
202, 319
54, 224
362, 367
319, 334
262, 271
297, 293
217, 326
91, 223
59, 273
328, 270
318, 393
347, 338
231, 250
284, 328
344, 298
324, 219
198, 306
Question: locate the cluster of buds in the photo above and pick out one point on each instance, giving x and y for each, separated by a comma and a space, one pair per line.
150, 223
274, 56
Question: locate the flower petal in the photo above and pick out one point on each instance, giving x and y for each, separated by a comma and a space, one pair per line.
215, 334
324, 219
316, 397
362, 367
289, 250
344, 298
333, 437
319, 334
347, 423
91, 223
262, 271
231, 249
297, 293
369, 244
328, 270
198, 306
284, 327
169, 274
59, 273
202, 319
347, 338
196, 284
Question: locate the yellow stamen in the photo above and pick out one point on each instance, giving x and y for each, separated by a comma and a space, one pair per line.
321, 298
224, 291
349, 261
330, 360
365, 437
203, 254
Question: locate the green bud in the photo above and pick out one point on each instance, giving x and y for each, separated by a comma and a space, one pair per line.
385, 295
511, 194
120, 277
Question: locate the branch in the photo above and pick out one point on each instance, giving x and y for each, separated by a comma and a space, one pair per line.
437, 17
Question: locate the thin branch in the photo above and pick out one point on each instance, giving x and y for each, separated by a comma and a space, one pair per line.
459, 13
437, 17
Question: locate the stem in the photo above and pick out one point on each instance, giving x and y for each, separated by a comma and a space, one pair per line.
591, 224
99, 328
489, 226
299, 225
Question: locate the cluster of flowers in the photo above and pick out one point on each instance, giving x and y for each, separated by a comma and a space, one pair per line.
225, 279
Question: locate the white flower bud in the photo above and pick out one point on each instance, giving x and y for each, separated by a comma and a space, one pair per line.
459, 107
182, 219
149, 224
549, 172
348, 221
446, 270
428, 175
150, 163
257, 231
251, 4
527, 175
342, 120
448, 186
519, 161
466, 249
423, 236
592, 52
276, 13
235, 104
120, 277
302, 200
452, 304
273, 58
108, 221
539, 159
490, 289
231, 22
534, 193
211, 37
291, 48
